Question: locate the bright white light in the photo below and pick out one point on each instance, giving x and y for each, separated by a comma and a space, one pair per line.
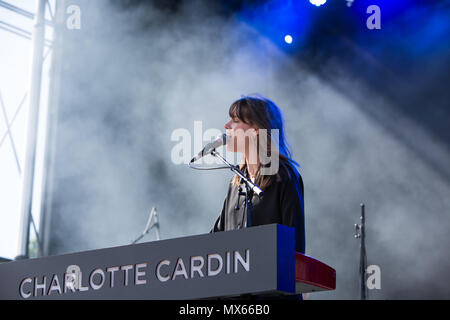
288, 39
317, 2
13, 86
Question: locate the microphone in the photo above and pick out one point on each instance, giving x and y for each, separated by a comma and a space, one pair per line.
219, 141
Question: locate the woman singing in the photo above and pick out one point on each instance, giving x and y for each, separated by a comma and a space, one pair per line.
256, 130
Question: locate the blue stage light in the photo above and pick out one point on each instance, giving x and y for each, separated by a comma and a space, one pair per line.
317, 2
288, 39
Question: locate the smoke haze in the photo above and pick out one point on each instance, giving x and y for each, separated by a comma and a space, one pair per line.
135, 73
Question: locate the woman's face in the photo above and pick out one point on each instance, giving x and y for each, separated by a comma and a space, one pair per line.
241, 135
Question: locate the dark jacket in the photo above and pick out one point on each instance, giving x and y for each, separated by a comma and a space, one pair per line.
282, 203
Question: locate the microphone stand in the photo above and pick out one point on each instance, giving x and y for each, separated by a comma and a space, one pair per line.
150, 225
360, 233
251, 188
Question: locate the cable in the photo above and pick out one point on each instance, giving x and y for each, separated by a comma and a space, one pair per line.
213, 168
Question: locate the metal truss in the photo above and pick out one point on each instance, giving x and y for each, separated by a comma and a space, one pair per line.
18, 31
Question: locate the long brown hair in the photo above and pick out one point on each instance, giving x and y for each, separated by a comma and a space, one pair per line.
263, 113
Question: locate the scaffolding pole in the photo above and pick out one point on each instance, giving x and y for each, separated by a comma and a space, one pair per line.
52, 121
32, 127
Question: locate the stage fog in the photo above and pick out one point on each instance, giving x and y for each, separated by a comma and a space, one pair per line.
365, 118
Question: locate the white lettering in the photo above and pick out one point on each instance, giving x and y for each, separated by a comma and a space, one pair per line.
112, 270
102, 277
125, 269
71, 278
138, 273
69, 282
24, 294
198, 268
245, 263
80, 285
54, 285
38, 286
182, 270
217, 257
158, 271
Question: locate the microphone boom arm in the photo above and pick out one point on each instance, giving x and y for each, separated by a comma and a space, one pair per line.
253, 187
